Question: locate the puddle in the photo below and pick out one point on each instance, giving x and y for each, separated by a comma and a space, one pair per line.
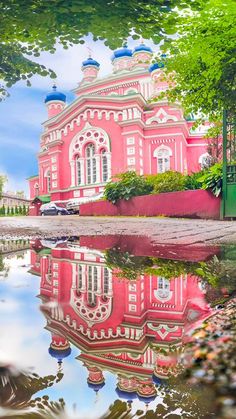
116, 327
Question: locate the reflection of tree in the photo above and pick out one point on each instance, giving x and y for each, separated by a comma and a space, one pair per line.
17, 389
216, 272
3, 268
179, 401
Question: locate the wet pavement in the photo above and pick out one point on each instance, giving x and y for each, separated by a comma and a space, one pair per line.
159, 229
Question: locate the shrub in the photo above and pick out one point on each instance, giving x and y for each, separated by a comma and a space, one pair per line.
128, 184
212, 179
192, 181
169, 181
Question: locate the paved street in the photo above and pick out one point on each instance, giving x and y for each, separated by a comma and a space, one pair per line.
161, 230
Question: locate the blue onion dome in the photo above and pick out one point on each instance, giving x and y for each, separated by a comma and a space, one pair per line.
96, 386
55, 95
126, 395
159, 64
90, 62
59, 354
142, 48
155, 66
122, 52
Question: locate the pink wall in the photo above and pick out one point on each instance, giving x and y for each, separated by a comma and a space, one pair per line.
189, 204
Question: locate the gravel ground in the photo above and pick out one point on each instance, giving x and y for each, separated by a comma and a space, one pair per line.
159, 229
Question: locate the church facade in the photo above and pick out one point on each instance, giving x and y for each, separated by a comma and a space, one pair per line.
112, 126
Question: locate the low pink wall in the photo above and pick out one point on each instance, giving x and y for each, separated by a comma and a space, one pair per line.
189, 204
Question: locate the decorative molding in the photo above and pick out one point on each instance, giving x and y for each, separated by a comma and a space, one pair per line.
161, 117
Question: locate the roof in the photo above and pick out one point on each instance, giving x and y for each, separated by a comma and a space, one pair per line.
43, 198
122, 52
32, 177
55, 95
90, 61
142, 48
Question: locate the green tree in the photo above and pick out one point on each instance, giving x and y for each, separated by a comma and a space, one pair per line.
12, 211
202, 59
29, 27
16, 210
20, 211
3, 178
8, 211
3, 210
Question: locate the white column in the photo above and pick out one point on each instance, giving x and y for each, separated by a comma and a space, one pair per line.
72, 172
98, 171
83, 278
74, 275
82, 170
109, 165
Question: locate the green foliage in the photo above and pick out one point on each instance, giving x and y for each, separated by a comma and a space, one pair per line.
192, 181
128, 184
8, 211
20, 210
12, 211
203, 59
16, 210
212, 179
169, 181
3, 178
29, 27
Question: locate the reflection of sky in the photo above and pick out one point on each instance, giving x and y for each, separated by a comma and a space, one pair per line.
24, 342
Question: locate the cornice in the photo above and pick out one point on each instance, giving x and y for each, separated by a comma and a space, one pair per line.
88, 98
110, 78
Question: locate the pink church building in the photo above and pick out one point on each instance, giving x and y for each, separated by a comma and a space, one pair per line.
112, 126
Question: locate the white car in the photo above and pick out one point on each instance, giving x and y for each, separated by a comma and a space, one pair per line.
74, 203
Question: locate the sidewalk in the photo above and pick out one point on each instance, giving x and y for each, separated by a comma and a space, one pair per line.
160, 230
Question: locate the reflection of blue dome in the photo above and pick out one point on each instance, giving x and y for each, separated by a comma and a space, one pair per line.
96, 387
59, 354
142, 48
122, 52
146, 400
157, 380
90, 61
126, 395
54, 95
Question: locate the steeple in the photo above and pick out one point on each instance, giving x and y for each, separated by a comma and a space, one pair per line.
55, 101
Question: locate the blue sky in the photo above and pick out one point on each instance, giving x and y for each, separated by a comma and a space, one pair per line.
23, 112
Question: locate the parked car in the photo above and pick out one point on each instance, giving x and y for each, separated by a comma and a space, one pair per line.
54, 208
74, 203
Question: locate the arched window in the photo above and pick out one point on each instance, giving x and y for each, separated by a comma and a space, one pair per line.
163, 159
91, 172
104, 166
80, 277
78, 171
106, 281
205, 161
92, 284
163, 292
48, 180
36, 189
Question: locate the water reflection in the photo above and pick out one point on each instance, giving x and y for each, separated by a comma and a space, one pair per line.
130, 312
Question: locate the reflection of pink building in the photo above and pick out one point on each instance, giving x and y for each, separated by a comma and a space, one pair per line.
113, 126
135, 329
